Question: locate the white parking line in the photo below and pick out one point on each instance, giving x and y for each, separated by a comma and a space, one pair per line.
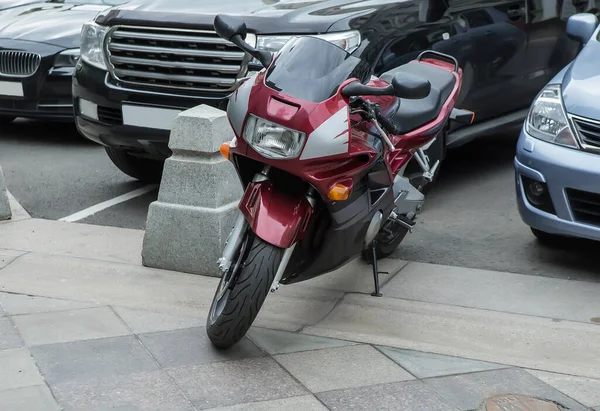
80, 215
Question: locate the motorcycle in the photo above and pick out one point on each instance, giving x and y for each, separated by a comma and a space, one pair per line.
321, 147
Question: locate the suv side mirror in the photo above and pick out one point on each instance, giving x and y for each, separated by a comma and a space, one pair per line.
432, 10
411, 87
582, 26
227, 27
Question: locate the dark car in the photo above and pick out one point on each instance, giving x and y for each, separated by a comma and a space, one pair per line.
145, 62
39, 47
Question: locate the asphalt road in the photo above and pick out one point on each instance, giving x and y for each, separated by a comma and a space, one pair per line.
470, 218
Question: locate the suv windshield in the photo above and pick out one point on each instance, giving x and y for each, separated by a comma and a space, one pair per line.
312, 69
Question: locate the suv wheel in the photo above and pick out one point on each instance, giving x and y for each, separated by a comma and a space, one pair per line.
142, 169
6, 119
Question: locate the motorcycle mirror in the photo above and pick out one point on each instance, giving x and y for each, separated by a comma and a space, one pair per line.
411, 87
235, 30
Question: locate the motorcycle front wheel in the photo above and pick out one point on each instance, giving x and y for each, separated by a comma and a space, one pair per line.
242, 291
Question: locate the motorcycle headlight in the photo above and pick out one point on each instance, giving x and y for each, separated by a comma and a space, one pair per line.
67, 58
547, 119
92, 41
272, 140
348, 40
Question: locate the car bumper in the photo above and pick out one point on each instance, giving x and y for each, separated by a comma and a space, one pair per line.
46, 95
572, 179
112, 127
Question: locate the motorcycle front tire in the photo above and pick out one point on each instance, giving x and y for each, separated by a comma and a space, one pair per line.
231, 321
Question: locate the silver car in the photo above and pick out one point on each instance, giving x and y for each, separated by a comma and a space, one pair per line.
557, 165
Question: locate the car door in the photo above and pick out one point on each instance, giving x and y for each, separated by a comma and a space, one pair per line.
548, 47
489, 41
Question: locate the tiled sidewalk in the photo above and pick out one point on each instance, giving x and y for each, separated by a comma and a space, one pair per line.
59, 354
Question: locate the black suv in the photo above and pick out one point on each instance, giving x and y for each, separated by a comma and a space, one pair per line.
144, 62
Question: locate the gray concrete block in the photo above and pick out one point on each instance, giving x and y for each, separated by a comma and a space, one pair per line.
200, 129
188, 225
5, 212
199, 183
185, 238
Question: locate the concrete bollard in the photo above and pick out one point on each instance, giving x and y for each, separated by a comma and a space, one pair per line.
187, 227
5, 212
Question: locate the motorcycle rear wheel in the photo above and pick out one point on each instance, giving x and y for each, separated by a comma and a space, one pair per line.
385, 246
242, 292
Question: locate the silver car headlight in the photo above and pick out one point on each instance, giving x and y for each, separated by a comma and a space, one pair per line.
272, 140
348, 40
92, 42
547, 119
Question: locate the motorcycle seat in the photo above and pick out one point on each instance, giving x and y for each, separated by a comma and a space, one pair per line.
412, 114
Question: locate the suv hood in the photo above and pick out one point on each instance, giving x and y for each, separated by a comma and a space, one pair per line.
260, 16
51, 23
581, 82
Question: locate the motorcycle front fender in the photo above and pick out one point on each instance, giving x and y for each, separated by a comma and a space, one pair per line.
276, 217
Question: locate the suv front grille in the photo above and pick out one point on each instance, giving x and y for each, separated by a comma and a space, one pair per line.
588, 132
19, 63
174, 58
585, 206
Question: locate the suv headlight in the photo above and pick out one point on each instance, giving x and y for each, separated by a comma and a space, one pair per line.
547, 119
92, 42
348, 40
272, 140
67, 58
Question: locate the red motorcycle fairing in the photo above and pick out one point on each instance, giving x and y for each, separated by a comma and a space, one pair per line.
276, 217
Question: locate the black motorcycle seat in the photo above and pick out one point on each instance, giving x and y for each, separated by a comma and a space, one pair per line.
412, 114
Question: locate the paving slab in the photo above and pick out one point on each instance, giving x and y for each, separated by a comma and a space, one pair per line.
427, 365
468, 391
356, 276
342, 367
144, 391
407, 396
18, 369
109, 283
82, 360
304, 403
35, 398
9, 337
141, 321
67, 326
8, 256
15, 304
143, 288
262, 379
490, 290
283, 342
531, 342
584, 390
73, 239
191, 346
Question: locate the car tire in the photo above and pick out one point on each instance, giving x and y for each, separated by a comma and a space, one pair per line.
143, 169
547, 238
6, 119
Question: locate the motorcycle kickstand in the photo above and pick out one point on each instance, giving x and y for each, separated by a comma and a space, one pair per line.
376, 272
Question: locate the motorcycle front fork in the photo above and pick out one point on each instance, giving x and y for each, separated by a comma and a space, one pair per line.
240, 229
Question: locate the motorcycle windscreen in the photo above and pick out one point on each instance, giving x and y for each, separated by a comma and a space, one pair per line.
312, 69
